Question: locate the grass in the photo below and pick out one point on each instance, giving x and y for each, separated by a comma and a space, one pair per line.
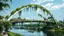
14, 34
1, 35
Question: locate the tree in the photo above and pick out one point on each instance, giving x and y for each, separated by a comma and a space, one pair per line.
1, 28
6, 17
7, 25
4, 4
1, 17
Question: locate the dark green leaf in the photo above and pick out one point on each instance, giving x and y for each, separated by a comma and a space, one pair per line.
10, 0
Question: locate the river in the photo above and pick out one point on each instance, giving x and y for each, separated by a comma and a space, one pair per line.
36, 33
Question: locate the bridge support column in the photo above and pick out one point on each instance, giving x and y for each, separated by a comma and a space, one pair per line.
22, 23
39, 23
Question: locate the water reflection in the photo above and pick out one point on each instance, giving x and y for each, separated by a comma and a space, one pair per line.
27, 32
36, 33
55, 33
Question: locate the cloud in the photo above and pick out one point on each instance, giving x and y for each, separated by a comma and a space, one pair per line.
62, 0
48, 4
40, 1
58, 6
51, 6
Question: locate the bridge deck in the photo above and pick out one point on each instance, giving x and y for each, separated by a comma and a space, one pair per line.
40, 21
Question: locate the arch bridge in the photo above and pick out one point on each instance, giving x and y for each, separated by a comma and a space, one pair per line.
35, 7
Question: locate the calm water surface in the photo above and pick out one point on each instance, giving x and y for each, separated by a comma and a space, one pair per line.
36, 33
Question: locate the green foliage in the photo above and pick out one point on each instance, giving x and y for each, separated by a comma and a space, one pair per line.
6, 17
29, 5
4, 4
32, 6
10, 0
20, 14
1, 17
7, 0
1, 28
42, 16
12, 12
1, 35
18, 9
6, 25
36, 7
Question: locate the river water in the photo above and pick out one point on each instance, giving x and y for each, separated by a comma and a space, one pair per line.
36, 33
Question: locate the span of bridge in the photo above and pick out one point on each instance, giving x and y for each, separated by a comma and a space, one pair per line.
34, 6
38, 21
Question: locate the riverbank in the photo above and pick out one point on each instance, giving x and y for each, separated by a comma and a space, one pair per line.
48, 30
14, 34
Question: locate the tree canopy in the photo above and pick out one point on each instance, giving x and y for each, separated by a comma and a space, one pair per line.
4, 4
1, 17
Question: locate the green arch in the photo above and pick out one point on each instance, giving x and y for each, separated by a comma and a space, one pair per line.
35, 6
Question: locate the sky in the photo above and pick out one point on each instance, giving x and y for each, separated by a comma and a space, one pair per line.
56, 7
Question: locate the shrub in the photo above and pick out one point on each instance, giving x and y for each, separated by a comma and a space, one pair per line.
6, 25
